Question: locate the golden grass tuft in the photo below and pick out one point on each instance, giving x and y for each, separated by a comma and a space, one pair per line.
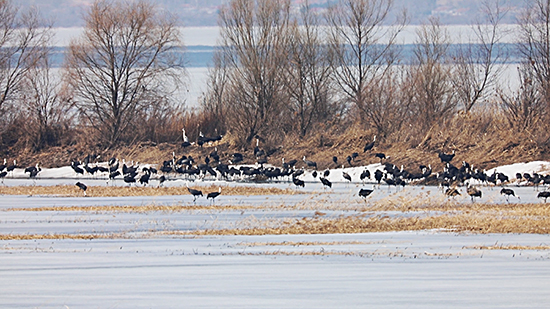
135, 209
102, 191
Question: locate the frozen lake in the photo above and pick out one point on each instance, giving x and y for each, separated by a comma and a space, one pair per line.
144, 265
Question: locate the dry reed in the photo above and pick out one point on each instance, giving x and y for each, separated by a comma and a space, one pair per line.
101, 191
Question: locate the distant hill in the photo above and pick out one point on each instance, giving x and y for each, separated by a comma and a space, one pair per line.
68, 13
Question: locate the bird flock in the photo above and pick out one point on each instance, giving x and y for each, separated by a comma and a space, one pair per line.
450, 179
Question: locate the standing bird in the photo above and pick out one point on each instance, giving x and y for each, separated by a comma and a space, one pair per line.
370, 145
298, 182
346, 176
507, 192
310, 163
365, 192
335, 160
195, 193
473, 192
213, 195
82, 187
446, 158
3, 175
186, 142
381, 156
144, 179
544, 194
33, 170
326, 182
10, 168
162, 179
364, 174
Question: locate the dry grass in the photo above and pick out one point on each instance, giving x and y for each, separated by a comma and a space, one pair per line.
135, 209
60, 236
304, 243
509, 247
101, 191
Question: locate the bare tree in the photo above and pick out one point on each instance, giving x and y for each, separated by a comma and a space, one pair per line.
477, 62
124, 62
309, 79
22, 37
254, 38
534, 44
212, 105
363, 49
430, 90
45, 104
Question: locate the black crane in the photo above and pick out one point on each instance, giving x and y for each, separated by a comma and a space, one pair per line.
544, 194
346, 176
446, 158
365, 192
473, 192
381, 156
310, 163
33, 170
162, 179
195, 193
335, 160
298, 182
326, 182
213, 195
364, 174
82, 187
144, 179
507, 192
370, 145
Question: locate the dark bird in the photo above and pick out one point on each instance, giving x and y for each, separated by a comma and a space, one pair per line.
325, 182
77, 169
114, 174
544, 194
162, 179
507, 192
346, 176
354, 156
10, 168
314, 174
473, 192
129, 179
370, 145
452, 192
213, 195
298, 182
3, 175
310, 163
446, 158
3, 166
364, 174
82, 187
195, 193
365, 192
144, 179
380, 156
326, 173
335, 160
33, 170
348, 158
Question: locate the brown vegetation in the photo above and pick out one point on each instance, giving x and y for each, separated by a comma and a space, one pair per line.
139, 191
